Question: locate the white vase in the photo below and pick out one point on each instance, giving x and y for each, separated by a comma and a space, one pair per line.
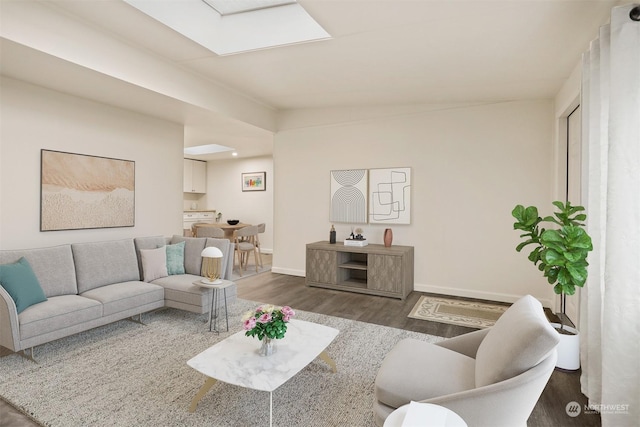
568, 349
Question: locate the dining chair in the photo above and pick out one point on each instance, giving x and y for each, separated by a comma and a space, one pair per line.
216, 232
194, 228
245, 241
261, 229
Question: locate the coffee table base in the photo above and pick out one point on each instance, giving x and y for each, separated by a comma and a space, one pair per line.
210, 382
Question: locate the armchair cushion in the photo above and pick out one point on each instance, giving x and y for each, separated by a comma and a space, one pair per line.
404, 376
520, 339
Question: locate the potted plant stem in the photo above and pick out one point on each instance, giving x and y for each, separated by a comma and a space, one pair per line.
560, 253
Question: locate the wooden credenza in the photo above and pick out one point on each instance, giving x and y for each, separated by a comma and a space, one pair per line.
373, 269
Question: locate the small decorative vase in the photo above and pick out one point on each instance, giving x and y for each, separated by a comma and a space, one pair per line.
388, 237
268, 347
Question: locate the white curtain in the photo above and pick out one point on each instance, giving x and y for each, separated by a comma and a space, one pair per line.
610, 301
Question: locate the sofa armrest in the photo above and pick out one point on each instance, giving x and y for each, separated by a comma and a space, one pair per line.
9, 326
466, 344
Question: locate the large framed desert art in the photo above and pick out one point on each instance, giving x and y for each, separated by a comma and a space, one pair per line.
80, 191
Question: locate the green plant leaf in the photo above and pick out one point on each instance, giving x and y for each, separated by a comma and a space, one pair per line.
551, 236
578, 274
553, 257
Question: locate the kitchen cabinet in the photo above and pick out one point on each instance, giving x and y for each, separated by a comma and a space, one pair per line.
192, 217
195, 176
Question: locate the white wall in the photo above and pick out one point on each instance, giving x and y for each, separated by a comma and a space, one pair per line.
470, 166
225, 195
34, 118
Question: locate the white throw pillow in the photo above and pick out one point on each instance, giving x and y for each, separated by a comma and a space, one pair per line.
154, 263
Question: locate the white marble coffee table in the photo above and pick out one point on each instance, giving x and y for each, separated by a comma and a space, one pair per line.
235, 360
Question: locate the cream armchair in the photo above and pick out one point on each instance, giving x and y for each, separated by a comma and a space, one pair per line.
491, 377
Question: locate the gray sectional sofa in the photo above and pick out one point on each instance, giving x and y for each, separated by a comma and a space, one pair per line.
92, 284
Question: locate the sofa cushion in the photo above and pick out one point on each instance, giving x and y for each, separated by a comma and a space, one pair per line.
181, 289
175, 258
53, 267
417, 370
180, 292
518, 341
19, 280
125, 296
57, 313
154, 263
192, 249
104, 263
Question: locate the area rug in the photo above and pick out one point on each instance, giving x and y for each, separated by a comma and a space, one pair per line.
127, 374
457, 312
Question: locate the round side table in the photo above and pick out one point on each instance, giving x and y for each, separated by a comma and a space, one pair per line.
418, 414
213, 312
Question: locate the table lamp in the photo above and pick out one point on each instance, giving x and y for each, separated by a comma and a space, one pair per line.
211, 257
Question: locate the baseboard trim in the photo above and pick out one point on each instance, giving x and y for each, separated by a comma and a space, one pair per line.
289, 271
440, 290
466, 293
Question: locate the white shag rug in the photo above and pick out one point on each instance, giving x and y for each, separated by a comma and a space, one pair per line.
126, 374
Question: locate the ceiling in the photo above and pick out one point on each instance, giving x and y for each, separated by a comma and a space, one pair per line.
382, 52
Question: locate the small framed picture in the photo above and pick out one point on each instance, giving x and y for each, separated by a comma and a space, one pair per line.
254, 181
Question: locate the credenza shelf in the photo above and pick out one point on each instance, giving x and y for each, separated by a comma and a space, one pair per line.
354, 265
372, 269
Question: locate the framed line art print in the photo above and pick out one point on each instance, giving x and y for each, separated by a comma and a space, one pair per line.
390, 196
349, 196
79, 191
254, 181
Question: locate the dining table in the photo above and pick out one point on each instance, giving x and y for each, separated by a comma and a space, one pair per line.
228, 228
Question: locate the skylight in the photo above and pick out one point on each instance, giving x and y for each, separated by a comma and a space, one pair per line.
227, 7
227, 27
206, 149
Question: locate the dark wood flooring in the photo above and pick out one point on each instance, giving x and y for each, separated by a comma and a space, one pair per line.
278, 289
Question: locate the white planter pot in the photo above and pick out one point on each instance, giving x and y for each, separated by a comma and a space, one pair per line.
568, 349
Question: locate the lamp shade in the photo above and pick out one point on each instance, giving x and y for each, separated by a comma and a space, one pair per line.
211, 252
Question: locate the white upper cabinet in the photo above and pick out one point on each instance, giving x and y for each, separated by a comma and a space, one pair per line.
195, 176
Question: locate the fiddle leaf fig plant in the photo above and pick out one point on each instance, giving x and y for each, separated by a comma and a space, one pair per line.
560, 253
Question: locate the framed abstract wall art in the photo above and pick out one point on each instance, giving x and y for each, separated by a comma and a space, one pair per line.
79, 191
254, 181
349, 196
390, 196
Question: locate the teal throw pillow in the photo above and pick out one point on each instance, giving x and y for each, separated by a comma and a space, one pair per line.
19, 280
175, 258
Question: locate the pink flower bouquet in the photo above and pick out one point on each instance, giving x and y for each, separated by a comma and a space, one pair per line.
267, 321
